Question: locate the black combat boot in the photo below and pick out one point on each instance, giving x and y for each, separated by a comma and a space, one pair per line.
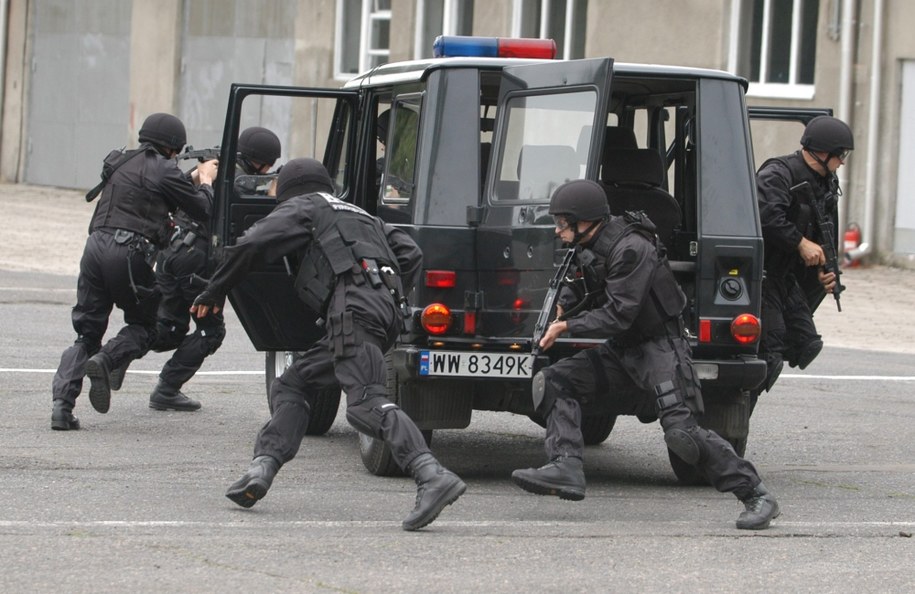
116, 377
62, 418
762, 508
98, 371
436, 488
807, 354
253, 485
165, 397
563, 476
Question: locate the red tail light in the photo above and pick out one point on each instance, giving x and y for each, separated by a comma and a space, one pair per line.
705, 331
436, 319
745, 328
441, 279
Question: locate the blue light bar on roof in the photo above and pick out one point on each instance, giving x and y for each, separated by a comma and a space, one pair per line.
449, 46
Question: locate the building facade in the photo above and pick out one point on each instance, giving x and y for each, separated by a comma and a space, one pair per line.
80, 75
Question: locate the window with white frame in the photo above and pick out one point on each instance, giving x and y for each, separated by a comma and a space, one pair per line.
773, 45
372, 47
440, 17
564, 21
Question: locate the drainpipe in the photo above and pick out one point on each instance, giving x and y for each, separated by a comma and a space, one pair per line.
873, 123
845, 90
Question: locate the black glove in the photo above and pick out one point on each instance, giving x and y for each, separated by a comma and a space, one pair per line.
210, 298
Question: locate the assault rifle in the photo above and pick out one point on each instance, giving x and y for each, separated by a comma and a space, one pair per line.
202, 155
827, 235
550, 301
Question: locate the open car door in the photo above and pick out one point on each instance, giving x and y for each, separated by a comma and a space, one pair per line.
760, 117
266, 303
549, 129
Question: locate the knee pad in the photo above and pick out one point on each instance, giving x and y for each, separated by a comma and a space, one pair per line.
684, 440
212, 338
538, 389
546, 388
168, 337
366, 415
279, 398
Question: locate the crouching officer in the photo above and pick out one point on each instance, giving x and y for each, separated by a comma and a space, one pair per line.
353, 272
140, 188
181, 273
635, 301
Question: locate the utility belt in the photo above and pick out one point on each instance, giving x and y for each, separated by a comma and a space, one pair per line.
186, 236
673, 327
376, 276
136, 242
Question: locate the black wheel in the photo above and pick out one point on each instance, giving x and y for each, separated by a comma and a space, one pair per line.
275, 364
596, 429
323, 407
376, 455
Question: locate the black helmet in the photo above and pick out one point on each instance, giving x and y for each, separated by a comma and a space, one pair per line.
259, 144
828, 135
163, 129
302, 176
580, 200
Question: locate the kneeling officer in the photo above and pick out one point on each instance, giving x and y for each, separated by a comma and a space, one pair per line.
639, 309
350, 274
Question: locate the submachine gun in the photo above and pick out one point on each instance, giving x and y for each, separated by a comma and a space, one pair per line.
827, 234
550, 301
202, 155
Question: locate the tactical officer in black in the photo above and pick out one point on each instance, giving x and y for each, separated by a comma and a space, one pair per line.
140, 188
353, 271
635, 302
795, 281
181, 273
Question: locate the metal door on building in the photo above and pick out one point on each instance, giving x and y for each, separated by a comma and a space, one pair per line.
77, 105
904, 236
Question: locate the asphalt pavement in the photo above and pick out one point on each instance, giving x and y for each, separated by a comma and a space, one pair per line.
135, 500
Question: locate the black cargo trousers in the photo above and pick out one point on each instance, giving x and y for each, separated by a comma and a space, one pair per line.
615, 372
362, 325
180, 272
787, 323
105, 270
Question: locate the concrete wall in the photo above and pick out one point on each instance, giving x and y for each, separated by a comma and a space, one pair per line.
184, 54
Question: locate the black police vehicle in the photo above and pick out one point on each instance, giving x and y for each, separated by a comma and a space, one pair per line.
463, 151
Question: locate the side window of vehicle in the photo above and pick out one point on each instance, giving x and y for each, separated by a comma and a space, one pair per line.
398, 131
400, 154
542, 147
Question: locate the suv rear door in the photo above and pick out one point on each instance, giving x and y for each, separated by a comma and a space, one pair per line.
549, 118
265, 300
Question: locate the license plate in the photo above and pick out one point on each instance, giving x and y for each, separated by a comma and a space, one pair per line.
469, 364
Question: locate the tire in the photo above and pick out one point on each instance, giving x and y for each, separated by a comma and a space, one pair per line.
323, 407
376, 455
596, 429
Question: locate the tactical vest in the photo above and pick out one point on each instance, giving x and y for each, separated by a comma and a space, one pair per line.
126, 203
799, 213
665, 301
345, 237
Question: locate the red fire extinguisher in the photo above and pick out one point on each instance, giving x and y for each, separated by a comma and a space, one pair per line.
851, 242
